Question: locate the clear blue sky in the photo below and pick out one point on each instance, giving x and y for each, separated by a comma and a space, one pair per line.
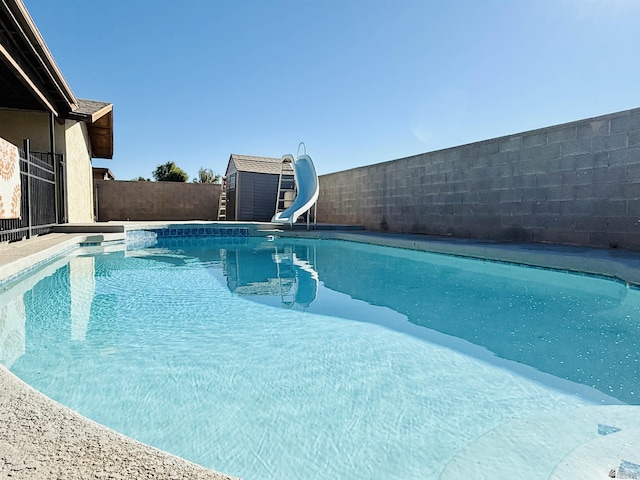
359, 81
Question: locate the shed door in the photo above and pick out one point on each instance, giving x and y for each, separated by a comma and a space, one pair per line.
257, 196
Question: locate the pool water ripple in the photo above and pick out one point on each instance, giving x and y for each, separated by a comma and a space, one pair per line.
218, 355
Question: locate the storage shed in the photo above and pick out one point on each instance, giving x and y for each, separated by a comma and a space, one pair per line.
252, 187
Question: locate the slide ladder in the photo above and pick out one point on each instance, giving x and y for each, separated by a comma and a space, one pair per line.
286, 185
306, 188
222, 204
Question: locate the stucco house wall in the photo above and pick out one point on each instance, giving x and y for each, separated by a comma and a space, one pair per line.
79, 175
16, 125
71, 140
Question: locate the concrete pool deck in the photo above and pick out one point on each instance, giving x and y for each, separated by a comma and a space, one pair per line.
42, 439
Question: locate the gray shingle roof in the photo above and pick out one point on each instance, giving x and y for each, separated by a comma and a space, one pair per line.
247, 163
89, 107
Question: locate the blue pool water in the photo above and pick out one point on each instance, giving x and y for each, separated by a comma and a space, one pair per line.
309, 359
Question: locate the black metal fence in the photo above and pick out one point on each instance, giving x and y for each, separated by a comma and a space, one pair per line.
42, 201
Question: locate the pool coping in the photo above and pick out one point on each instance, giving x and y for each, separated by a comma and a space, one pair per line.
18, 258
44, 439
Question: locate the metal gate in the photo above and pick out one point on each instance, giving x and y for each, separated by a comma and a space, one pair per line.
42, 202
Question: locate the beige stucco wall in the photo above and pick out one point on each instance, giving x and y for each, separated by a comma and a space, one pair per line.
79, 184
16, 125
71, 140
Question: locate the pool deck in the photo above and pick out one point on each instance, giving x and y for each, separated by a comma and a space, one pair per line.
41, 439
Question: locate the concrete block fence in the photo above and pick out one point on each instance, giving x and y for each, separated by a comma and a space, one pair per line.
576, 183
122, 200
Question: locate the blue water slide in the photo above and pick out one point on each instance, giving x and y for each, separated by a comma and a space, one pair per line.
307, 187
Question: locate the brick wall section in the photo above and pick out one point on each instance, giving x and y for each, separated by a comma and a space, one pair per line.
576, 183
121, 200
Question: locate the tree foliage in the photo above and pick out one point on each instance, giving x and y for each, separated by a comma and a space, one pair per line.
206, 175
140, 179
170, 172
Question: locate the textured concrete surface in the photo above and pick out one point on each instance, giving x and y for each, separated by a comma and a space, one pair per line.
41, 439
79, 181
576, 183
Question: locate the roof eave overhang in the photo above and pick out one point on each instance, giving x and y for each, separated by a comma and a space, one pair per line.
58, 97
100, 129
101, 133
14, 66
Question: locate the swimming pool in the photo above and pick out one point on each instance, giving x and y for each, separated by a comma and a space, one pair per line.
303, 358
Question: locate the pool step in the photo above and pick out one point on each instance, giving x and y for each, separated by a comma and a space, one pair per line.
89, 228
102, 239
535, 447
594, 459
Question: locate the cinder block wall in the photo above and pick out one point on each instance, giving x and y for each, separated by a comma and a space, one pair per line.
122, 200
576, 183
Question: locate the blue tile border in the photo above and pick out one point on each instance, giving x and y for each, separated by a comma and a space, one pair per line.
182, 242
188, 232
150, 237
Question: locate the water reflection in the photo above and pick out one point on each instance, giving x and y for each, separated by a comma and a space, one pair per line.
284, 271
579, 328
82, 285
12, 330
65, 286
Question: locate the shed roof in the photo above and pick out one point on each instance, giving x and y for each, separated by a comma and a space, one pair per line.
247, 163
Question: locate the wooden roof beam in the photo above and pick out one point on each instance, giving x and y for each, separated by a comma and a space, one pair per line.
32, 36
24, 78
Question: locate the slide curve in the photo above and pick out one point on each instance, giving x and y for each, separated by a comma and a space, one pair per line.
307, 187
